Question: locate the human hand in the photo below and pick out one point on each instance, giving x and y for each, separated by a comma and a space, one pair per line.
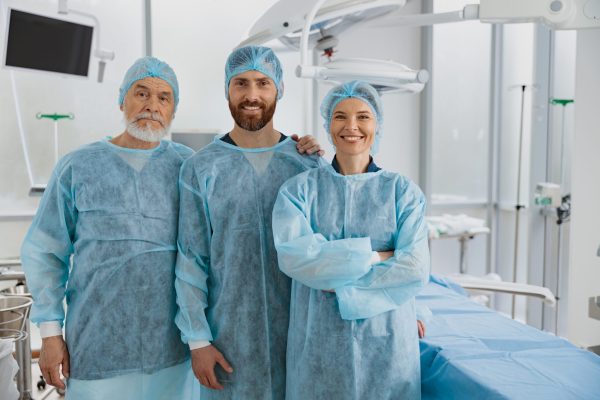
204, 360
421, 328
54, 356
307, 144
384, 255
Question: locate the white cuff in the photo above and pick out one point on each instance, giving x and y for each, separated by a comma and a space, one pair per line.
375, 258
198, 344
50, 328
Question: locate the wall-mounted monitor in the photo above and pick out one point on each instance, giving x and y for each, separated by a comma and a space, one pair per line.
41, 43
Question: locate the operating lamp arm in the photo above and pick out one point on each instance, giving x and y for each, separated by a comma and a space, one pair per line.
469, 12
386, 76
306, 31
557, 14
103, 55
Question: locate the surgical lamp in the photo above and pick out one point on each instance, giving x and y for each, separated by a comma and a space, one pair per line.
285, 19
300, 25
321, 20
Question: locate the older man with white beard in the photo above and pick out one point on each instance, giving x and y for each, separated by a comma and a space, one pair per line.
111, 208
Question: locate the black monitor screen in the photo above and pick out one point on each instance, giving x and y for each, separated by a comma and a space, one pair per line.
48, 44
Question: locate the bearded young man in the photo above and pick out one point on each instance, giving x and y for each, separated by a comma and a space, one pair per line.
233, 300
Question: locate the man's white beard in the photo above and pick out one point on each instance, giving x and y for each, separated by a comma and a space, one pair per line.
146, 133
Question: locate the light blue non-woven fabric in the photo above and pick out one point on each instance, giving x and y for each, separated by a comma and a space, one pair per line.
112, 211
361, 341
177, 382
229, 287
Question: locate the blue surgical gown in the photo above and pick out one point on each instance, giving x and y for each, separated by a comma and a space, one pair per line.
229, 288
359, 342
114, 212
171, 383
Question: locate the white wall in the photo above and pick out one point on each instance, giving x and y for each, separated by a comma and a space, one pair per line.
94, 105
461, 74
460, 97
584, 265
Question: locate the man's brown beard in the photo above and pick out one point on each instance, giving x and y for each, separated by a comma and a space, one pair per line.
256, 123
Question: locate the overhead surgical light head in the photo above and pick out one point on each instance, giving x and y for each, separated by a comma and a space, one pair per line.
386, 76
149, 67
323, 20
317, 24
254, 58
286, 18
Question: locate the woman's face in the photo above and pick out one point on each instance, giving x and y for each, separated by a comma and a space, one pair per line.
353, 127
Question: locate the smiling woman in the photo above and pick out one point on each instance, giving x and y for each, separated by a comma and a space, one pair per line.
353, 239
353, 133
353, 116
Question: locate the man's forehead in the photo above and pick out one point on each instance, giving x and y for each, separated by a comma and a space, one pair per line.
153, 83
251, 75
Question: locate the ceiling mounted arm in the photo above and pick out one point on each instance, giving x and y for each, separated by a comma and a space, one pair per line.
556, 14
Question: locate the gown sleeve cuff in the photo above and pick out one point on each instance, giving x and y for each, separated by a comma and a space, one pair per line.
50, 328
198, 344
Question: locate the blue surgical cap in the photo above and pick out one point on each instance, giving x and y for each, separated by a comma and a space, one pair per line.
358, 90
149, 67
254, 58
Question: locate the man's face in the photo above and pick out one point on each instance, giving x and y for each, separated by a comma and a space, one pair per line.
252, 100
148, 109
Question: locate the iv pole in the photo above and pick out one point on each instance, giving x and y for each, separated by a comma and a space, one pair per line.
55, 117
39, 189
563, 103
518, 205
